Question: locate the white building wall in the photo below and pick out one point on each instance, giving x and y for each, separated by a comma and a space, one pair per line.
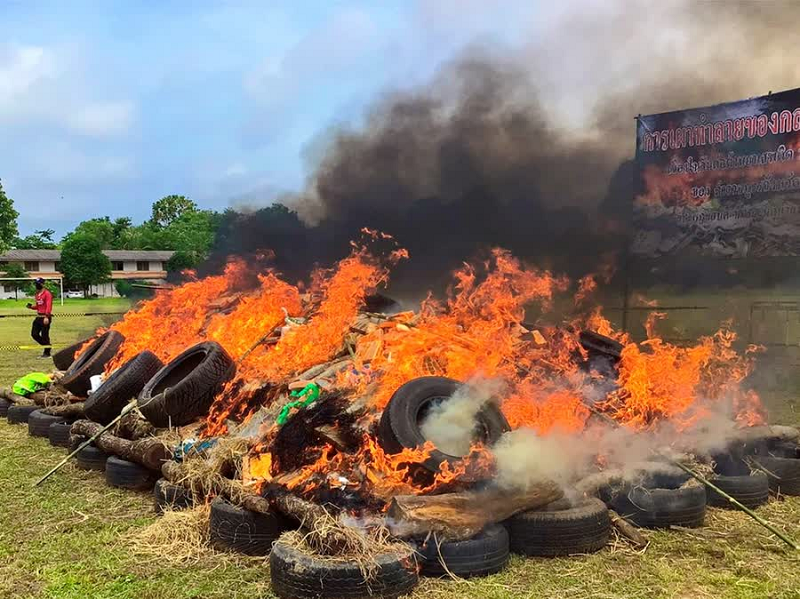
47, 266
129, 265
156, 265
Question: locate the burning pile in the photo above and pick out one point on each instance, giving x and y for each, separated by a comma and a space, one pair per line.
547, 376
334, 406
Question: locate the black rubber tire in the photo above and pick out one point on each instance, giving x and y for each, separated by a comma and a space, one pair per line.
39, 423
58, 434
296, 575
654, 507
232, 528
4, 405
91, 362
561, 528
184, 389
128, 475
64, 358
19, 414
783, 474
173, 497
751, 490
595, 343
482, 555
124, 384
91, 458
399, 427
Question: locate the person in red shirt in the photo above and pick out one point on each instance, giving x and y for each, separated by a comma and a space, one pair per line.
40, 331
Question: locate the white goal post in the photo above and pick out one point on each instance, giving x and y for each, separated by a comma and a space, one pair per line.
31, 279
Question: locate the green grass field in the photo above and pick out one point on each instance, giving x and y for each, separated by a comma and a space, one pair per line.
72, 537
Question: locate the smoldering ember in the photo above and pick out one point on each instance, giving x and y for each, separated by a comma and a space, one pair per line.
366, 442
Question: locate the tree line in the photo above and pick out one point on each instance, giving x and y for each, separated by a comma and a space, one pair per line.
176, 223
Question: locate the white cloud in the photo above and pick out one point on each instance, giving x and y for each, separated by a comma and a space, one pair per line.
41, 85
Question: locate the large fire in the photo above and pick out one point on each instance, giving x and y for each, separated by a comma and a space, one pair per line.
277, 331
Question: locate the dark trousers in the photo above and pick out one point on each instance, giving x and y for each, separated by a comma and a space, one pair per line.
41, 333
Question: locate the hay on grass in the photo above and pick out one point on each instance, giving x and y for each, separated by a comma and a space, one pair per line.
218, 471
177, 537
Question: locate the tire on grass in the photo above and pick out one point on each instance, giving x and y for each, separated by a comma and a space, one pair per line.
91, 362
561, 528
233, 528
4, 405
58, 434
124, 384
18, 414
400, 424
39, 423
749, 490
128, 475
64, 358
171, 497
660, 504
783, 474
91, 458
185, 388
484, 554
296, 575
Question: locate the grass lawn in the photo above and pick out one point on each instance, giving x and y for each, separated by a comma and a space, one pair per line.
72, 537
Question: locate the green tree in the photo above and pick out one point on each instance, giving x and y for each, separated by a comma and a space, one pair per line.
112, 235
8, 221
83, 262
39, 240
14, 270
169, 208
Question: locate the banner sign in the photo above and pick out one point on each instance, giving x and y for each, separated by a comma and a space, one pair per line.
722, 180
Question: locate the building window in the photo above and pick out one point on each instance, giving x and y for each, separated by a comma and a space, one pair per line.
31, 266
142, 265
58, 266
117, 266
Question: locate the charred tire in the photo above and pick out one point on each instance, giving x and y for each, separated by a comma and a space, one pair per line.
234, 528
184, 389
600, 344
64, 358
750, 490
296, 575
399, 427
124, 384
172, 497
59, 434
91, 362
561, 528
482, 555
783, 474
653, 507
128, 475
19, 414
4, 405
39, 423
91, 458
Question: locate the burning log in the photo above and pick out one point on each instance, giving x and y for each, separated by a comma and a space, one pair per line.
456, 516
150, 452
133, 426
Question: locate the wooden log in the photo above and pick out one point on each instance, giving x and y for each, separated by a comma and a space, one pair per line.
72, 411
462, 515
177, 475
627, 530
133, 426
150, 452
9, 395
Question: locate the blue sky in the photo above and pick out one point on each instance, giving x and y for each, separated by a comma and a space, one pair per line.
106, 106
